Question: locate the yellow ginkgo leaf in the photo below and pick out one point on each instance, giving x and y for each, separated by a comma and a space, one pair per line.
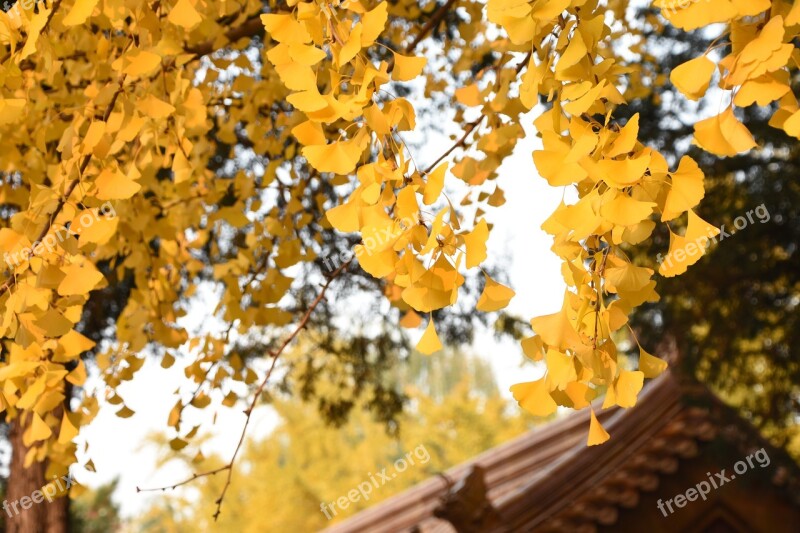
434, 184
285, 29
69, 429
435, 288
379, 263
574, 53
185, 15
79, 12
411, 320
627, 388
53, 323
155, 108
339, 157
792, 125
93, 136
686, 191
374, 22
475, 242
351, 47
407, 68
11, 110
78, 375
693, 77
100, 231
686, 250
127, 412
597, 435
11, 240
344, 217
560, 369
793, 17
626, 211
625, 172
531, 80
650, 365
308, 133
114, 185
494, 296
692, 15
534, 397
626, 140
533, 347
79, 279
429, 343
622, 276
761, 91
556, 330
580, 394
469, 95
181, 168
723, 135
141, 63
72, 345
39, 429
560, 161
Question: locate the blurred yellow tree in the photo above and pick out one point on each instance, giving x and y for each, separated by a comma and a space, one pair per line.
456, 412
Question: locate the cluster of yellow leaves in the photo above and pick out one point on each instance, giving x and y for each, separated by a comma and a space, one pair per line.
319, 52
125, 104
85, 139
755, 72
622, 185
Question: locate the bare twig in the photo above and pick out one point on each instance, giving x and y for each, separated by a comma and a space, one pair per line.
471, 126
432, 23
275, 354
253, 26
249, 28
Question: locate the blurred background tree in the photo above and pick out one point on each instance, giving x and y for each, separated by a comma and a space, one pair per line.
455, 412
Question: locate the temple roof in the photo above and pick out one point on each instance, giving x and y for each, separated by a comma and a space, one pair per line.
549, 480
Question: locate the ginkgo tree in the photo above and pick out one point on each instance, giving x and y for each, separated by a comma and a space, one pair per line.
151, 106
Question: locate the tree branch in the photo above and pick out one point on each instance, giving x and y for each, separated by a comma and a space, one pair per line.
253, 26
471, 126
430, 25
249, 28
275, 354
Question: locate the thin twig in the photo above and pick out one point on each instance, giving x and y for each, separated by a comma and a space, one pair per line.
432, 23
471, 126
275, 354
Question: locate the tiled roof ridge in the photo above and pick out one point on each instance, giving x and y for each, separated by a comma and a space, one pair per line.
673, 416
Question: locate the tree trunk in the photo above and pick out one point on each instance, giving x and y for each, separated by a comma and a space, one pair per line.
45, 517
